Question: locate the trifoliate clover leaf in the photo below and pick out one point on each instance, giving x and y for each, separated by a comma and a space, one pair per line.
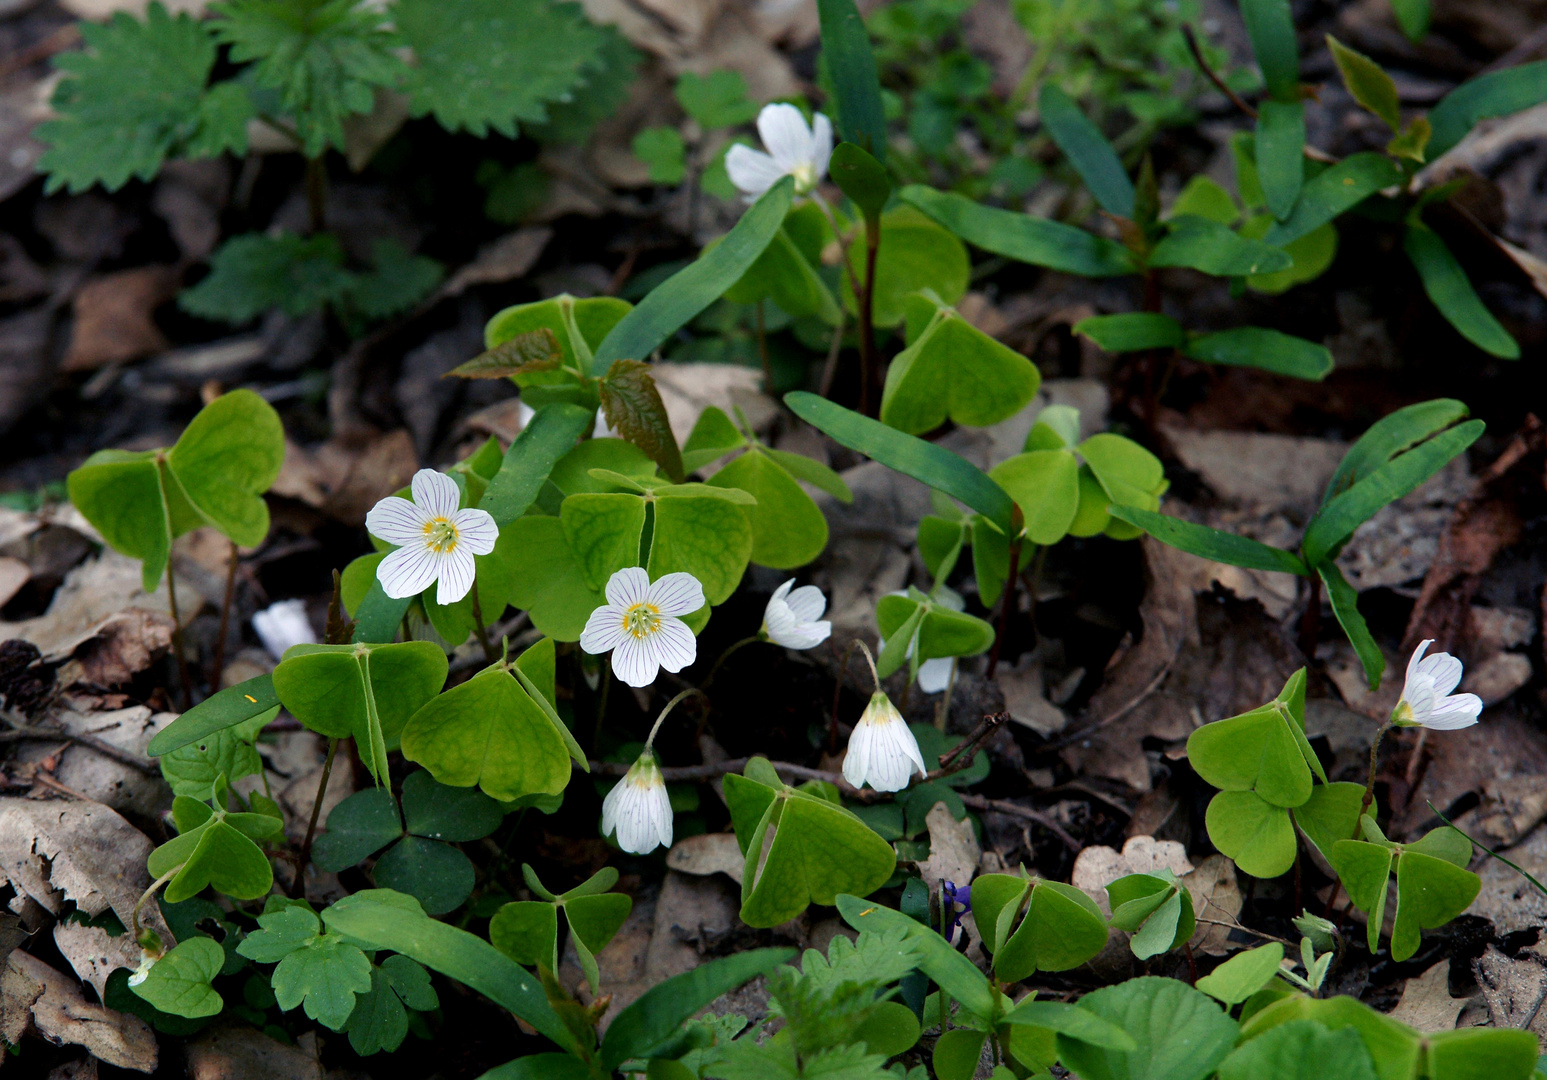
318, 970
484, 64
325, 58
253, 273
135, 97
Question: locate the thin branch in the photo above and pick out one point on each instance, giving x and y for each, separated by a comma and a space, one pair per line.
1213, 76
91, 742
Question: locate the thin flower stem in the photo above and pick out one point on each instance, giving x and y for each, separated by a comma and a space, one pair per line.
871, 660
843, 670
217, 668
670, 705
753, 640
155, 887
298, 886
490, 653
1369, 787
1213, 76
943, 710
761, 327
1011, 586
177, 639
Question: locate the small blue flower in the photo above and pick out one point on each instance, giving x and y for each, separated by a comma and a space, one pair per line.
955, 896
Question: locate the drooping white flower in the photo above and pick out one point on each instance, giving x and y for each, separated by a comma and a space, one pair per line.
934, 675
282, 625
794, 149
435, 540
1427, 700
882, 751
640, 624
639, 808
791, 617
141, 973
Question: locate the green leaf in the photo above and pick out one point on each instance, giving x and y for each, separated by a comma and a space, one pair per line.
1255, 751
193, 769
257, 272
1212, 248
179, 983
325, 59
661, 148
226, 458
716, 100
323, 976
1331, 814
1071, 1020
135, 97
1271, 28
957, 1052
1313, 253
850, 64
952, 971
1389, 436
1329, 193
1496, 93
579, 324
708, 538
1210, 543
862, 178
1252, 832
1062, 929
1132, 331
366, 692
1129, 474
550, 583
785, 274
545, 440
213, 855
1365, 869
1447, 286
812, 472
670, 305
379, 1021
634, 409
1182, 1035
489, 732
1430, 893
357, 828
788, 530
657, 1013
1045, 485
527, 932
1203, 197
452, 814
713, 436
1022, 237
915, 253
934, 466
398, 280
438, 875
231, 706
1087, 150
123, 495
1367, 83
535, 350
1243, 974
1299, 1050
603, 531
1483, 1054
1281, 150
952, 369
495, 64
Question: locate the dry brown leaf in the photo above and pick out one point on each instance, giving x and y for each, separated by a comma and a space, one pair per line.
1426, 1003
1216, 896
954, 853
113, 318
14, 573
510, 257
708, 853
234, 1051
34, 995
1098, 866
102, 10
1513, 988
94, 954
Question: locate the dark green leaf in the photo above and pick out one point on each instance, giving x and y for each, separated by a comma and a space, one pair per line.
1132, 331
1496, 93
396, 282
1087, 150
663, 150
634, 409
1182, 1034
1022, 237
1210, 543
861, 177
1200, 244
256, 272
1281, 151
378, 617
357, 828
851, 66
438, 875
1268, 350
1390, 436
1412, 17
1345, 606
547, 437
379, 1021
452, 814
1270, 25
231, 706
1447, 286
955, 974
1325, 196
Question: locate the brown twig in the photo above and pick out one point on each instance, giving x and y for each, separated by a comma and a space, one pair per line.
960, 757
298, 885
218, 666
91, 742
1213, 76
66, 37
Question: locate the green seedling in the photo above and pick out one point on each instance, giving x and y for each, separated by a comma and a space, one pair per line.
1032, 925
179, 982
315, 968
1244, 975
527, 931
1155, 909
217, 848
917, 628
422, 860
1433, 883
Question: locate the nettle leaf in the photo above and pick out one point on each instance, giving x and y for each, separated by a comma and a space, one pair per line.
716, 100
915, 253
1028, 239
135, 97
482, 64
819, 850
1243, 974
579, 326
318, 970
325, 58
257, 272
1447, 286
664, 151
1299, 1050
1182, 1035
952, 369
179, 983
1061, 927
397, 280
634, 409
367, 692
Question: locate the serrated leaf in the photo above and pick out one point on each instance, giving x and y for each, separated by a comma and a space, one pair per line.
716, 100
495, 64
323, 976
192, 770
664, 153
179, 983
325, 59
379, 1021
257, 272
535, 350
135, 97
634, 409
396, 282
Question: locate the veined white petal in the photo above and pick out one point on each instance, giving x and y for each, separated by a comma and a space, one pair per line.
821, 143
752, 171
397, 521
1455, 711
1420, 697
436, 493
673, 645
785, 135
782, 591
677, 594
661, 813
639, 809
935, 675
603, 630
628, 587
778, 618
476, 530
1444, 672
408, 571
1413, 662
856, 760
633, 662
807, 603
457, 571
804, 636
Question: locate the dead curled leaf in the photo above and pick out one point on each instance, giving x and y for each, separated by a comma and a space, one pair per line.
708, 853
633, 407
113, 318
1426, 1003
35, 997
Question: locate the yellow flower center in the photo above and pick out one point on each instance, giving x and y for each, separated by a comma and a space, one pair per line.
805, 178
1402, 715
641, 620
441, 535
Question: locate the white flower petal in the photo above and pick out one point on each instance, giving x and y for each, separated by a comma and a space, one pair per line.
397, 521
752, 171
628, 587
807, 603
785, 135
804, 636
662, 815
457, 571
1455, 711
282, 625
1443, 670
1413, 662
821, 143
476, 530
856, 760
935, 675
677, 594
603, 630
782, 591
633, 662
408, 571
1420, 697
436, 493
673, 645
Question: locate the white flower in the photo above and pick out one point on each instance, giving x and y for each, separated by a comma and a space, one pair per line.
141, 973
934, 675
1427, 700
639, 808
882, 751
790, 619
639, 624
435, 540
282, 625
794, 149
